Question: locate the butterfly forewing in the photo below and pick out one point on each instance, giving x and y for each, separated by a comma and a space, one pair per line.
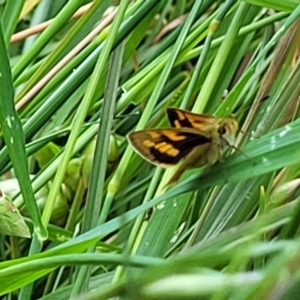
166, 147
179, 118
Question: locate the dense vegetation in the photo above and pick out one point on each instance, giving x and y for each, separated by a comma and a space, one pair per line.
81, 211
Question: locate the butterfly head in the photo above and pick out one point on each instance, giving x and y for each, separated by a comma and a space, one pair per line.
227, 129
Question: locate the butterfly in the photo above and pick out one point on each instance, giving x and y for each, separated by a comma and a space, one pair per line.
194, 140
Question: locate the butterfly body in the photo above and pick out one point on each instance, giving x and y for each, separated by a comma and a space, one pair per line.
195, 139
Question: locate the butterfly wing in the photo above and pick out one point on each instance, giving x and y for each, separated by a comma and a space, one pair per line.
166, 147
184, 119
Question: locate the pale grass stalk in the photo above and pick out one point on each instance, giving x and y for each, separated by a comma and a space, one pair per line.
21, 35
66, 59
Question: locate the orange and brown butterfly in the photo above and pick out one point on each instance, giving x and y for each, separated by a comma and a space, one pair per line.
194, 140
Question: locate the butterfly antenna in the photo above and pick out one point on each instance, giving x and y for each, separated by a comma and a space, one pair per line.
241, 152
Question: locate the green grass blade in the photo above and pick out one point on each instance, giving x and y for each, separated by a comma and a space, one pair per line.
97, 184
287, 6
10, 17
14, 138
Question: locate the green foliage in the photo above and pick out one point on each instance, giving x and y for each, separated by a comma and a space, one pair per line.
88, 213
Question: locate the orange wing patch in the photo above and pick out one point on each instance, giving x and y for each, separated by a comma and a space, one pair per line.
184, 119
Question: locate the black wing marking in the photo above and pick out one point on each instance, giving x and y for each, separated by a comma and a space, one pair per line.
174, 117
179, 118
191, 141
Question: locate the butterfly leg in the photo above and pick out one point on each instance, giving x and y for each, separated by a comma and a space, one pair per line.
174, 179
220, 155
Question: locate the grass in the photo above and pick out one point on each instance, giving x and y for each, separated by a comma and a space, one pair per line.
83, 216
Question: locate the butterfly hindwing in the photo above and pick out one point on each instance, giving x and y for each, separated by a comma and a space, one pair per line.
179, 118
167, 147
